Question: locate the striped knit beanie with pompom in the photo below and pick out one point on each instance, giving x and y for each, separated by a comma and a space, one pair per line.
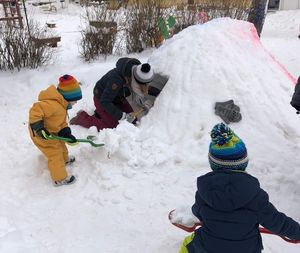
143, 73
226, 150
69, 88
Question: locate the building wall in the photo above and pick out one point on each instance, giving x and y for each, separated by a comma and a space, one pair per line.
289, 4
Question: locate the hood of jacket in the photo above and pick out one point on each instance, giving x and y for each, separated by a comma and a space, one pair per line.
51, 93
51, 109
227, 190
124, 66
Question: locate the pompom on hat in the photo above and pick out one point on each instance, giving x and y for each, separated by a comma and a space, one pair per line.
69, 88
143, 73
226, 150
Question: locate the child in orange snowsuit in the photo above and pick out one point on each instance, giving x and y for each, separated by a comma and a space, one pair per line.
48, 116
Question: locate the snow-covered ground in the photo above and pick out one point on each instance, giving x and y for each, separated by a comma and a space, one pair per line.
125, 190
280, 37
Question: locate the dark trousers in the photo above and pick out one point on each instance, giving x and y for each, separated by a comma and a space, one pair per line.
103, 119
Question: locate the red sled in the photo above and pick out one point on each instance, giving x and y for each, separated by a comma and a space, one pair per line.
199, 224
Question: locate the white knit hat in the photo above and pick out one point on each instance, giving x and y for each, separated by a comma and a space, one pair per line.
143, 73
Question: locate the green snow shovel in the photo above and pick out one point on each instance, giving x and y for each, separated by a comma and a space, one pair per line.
89, 140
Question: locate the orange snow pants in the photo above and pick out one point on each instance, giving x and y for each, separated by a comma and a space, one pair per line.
56, 153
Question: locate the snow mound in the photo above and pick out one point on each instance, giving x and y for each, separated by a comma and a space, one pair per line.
220, 60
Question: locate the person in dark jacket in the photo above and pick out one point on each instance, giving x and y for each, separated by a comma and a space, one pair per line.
129, 77
231, 204
295, 102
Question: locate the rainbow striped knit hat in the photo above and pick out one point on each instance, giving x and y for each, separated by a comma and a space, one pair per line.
69, 88
226, 150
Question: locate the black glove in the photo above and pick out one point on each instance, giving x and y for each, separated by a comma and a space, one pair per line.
43, 131
39, 128
66, 133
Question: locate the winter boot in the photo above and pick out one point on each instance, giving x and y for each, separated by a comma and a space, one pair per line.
73, 120
71, 159
68, 180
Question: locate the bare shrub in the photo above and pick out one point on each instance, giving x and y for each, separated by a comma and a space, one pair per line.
145, 23
142, 24
99, 36
143, 17
115, 4
201, 11
191, 12
236, 9
18, 49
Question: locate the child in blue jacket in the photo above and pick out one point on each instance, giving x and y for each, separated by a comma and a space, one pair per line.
231, 204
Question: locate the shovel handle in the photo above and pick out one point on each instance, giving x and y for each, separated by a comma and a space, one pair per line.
199, 224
